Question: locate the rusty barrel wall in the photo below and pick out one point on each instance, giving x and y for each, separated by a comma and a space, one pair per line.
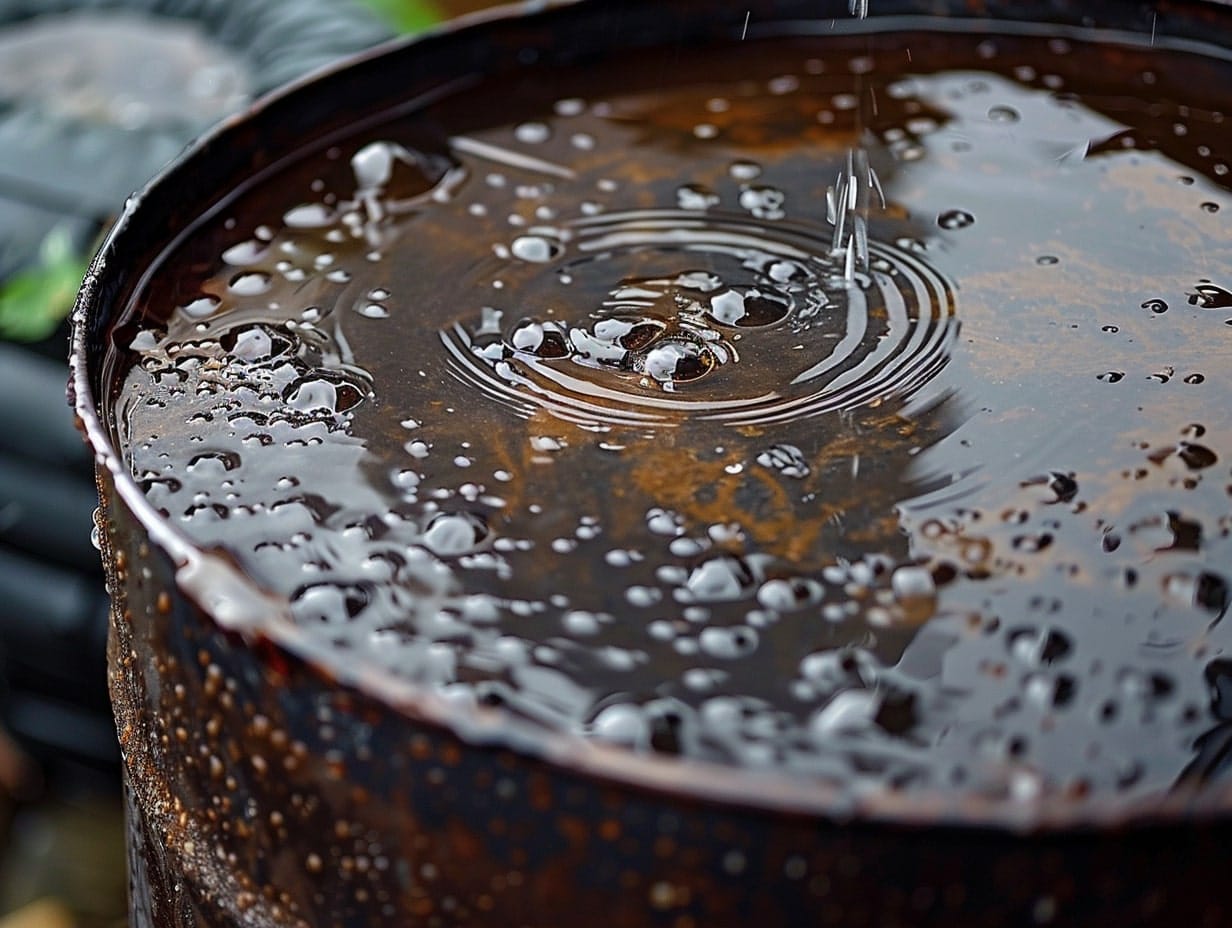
263, 791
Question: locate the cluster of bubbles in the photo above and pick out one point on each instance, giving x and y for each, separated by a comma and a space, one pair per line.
662, 331
737, 320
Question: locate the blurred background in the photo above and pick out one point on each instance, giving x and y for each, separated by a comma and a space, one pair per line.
95, 97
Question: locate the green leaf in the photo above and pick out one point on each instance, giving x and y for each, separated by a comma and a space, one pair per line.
407, 15
33, 302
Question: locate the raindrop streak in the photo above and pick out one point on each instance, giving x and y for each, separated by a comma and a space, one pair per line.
855, 190
847, 207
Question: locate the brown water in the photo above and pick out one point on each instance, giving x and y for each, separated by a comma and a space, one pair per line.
560, 402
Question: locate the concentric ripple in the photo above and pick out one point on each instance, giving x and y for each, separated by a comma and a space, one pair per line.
650, 317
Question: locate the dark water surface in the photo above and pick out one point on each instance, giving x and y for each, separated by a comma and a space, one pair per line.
559, 401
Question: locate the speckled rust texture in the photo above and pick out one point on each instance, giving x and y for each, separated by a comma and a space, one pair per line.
263, 792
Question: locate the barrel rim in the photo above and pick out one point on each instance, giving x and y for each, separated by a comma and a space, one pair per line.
265, 619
